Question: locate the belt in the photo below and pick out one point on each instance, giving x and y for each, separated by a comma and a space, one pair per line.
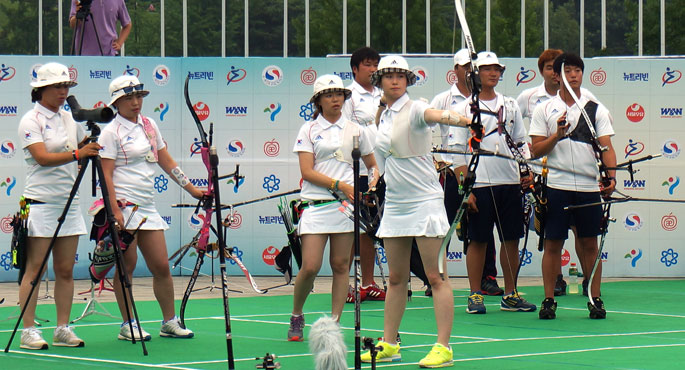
32, 201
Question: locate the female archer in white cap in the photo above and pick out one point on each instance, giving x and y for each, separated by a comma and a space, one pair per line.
132, 146
413, 205
324, 147
52, 142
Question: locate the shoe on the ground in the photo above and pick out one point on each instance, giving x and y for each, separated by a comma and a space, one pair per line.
475, 303
125, 332
597, 310
429, 291
388, 353
560, 286
514, 302
64, 336
32, 338
489, 286
585, 284
296, 330
372, 293
439, 356
362, 294
548, 309
174, 329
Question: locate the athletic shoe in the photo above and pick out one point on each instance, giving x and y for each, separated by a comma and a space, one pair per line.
429, 291
372, 293
514, 302
597, 311
548, 309
64, 336
362, 295
32, 338
439, 356
475, 304
125, 332
585, 284
174, 329
296, 330
489, 286
387, 353
560, 286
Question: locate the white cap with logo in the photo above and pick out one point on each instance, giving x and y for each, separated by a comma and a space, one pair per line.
52, 73
488, 58
125, 85
329, 83
393, 63
462, 57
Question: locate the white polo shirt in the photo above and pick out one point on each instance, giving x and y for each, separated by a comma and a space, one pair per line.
493, 170
60, 133
412, 179
361, 109
574, 155
323, 138
448, 100
126, 143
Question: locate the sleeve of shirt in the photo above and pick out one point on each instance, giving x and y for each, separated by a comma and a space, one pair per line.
418, 109
303, 143
80, 133
522, 101
519, 134
438, 101
347, 110
123, 16
29, 132
538, 124
365, 141
72, 12
461, 137
604, 122
109, 144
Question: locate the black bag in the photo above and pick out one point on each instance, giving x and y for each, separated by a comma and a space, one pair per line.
18, 245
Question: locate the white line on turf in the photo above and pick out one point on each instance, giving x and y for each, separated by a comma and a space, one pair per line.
88, 359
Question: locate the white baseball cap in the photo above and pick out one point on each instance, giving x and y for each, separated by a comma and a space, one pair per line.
392, 63
51, 74
462, 57
329, 83
125, 85
488, 58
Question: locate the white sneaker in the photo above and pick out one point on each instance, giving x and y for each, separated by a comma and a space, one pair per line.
173, 329
125, 332
32, 338
64, 336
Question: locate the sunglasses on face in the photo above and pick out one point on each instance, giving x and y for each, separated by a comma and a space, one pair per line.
130, 89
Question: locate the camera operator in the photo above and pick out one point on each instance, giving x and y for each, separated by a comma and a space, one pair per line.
53, 142
105, 14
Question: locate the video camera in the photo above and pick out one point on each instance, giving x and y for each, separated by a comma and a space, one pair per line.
101, 115
84, 10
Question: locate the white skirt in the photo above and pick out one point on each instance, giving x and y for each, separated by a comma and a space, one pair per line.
425, 218
154, 220
42, 220
324, 219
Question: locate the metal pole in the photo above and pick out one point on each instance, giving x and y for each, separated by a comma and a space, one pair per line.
40, 27
487, 25
223, 28
545, 37
368, 22
404, 26
582, 28
639, 27
161, 28
247, 28
344, 27
463, 6
59, 28
523, 28
185, 28
285, 28
604, 24
306, 28
428, 26
662, 26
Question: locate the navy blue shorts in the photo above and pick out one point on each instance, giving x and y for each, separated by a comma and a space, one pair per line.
587, 219
499, 203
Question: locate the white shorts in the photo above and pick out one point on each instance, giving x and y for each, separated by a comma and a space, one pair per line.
324, 219
426, 218
154, 220
42, 220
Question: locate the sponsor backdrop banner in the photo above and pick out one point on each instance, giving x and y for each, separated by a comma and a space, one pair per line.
258, 104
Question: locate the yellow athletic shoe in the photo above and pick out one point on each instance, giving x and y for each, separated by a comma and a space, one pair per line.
389, 353
439, 356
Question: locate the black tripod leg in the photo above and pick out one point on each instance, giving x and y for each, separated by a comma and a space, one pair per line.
60, 222
119, 258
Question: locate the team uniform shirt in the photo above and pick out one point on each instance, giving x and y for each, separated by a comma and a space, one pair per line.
128, 145
60, 133
361, 109
574, 155
493, 170
448, 100
412, 179
531, 98
323, 139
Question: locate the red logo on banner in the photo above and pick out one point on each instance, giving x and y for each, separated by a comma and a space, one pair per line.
598, 77
451, 77
73, 73
635, 113
272, 148
235, 221
308, 76
565, 257
202, 110
6, 224
269, 255
669, 222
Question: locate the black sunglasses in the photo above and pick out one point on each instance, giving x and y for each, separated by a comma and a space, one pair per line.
130, 89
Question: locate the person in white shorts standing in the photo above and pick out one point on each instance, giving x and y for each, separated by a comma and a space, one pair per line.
324, 148
52, 142
132, 147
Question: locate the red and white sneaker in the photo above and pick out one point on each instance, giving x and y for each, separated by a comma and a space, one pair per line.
362, 295
373, 292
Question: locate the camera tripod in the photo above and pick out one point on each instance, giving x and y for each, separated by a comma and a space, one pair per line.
82, 17
123, 279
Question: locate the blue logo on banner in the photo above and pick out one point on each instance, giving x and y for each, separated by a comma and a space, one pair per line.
274, 109
237, 253
670, 76
162, 109
6, 261
306, 111
525, 76
161, 183
634, 255
527, 259
6, 72
10, 184
271, 183
235, 75
669, 257
381, 257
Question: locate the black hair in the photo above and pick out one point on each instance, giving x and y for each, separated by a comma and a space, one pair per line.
37, 94
362, 54
568, 59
